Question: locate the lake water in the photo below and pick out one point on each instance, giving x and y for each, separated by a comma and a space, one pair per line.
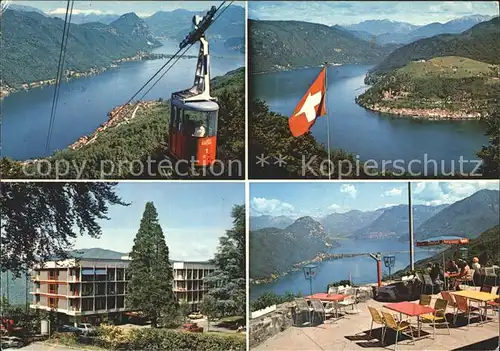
368, 134
363, 269
84, 103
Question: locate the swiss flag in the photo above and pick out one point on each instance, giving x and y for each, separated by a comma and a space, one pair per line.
311, 106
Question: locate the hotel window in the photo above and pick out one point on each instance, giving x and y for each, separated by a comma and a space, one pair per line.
52, 288
52, 302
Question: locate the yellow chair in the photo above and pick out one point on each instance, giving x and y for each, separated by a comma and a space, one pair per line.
425, 300
439, 316
377, 318
398, 327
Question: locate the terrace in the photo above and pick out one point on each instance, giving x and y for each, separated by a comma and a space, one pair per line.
350, 331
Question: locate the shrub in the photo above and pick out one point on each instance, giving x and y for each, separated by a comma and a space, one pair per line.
165, 340
161, 339
269, 298
69, 339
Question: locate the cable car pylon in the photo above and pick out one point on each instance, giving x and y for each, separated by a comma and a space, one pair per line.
194, 112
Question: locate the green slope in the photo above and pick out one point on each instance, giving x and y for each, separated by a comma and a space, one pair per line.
468, 217
478, 43
275, 45
451, 83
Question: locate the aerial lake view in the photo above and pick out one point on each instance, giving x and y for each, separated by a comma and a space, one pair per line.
367, 134
84, 103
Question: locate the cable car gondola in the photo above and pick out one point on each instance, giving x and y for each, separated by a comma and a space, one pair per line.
194, 112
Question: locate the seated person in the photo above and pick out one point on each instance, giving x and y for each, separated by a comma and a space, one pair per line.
464, 273
428, 269
475, 264
452, 267
435, 274
200, 130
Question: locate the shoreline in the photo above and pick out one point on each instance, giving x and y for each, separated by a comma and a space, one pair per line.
114, 120
434, 114
320, 257
70, 75
291, 69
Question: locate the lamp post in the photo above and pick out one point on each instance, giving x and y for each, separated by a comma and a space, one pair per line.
389, 263
309, 274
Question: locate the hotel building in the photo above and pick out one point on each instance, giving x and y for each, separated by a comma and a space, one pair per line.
86, 289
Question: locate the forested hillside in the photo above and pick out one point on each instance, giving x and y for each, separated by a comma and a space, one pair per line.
275, 45
31, 44
478, 43
275, 251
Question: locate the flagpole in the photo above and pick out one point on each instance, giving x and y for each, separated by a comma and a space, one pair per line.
327, 123
410, 229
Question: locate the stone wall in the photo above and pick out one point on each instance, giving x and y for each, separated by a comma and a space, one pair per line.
268, 325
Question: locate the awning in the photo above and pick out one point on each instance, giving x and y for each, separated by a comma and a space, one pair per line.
87, 272
100, 272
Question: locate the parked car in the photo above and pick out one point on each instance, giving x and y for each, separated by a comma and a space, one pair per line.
10, 342
195, 315
86, 328
69, 329
192, 327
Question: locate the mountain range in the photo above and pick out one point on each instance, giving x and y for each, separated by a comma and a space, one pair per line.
386, 31
177, 24
280, 245
172, 25
279, 45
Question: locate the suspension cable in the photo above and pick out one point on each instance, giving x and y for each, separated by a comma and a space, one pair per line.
60, 70
164, 73
128, 108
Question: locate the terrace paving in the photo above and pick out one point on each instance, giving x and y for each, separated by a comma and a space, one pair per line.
342, 334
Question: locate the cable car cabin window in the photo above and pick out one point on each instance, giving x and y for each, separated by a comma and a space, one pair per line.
200, 124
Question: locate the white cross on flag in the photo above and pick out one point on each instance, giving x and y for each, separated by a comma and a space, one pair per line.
311, 106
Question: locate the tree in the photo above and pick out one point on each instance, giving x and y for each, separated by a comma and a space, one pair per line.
40, 220
150, 287
490, 154
227, 284
209, 308
184, 309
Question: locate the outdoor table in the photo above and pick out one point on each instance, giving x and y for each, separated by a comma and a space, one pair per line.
410, 309
480, 296
328, 298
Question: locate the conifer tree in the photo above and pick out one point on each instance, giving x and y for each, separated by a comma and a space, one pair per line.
227, 284
150, 286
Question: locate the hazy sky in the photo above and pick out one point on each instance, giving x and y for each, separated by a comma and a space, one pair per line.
193, 217
317, 199
349, 12
141, 8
